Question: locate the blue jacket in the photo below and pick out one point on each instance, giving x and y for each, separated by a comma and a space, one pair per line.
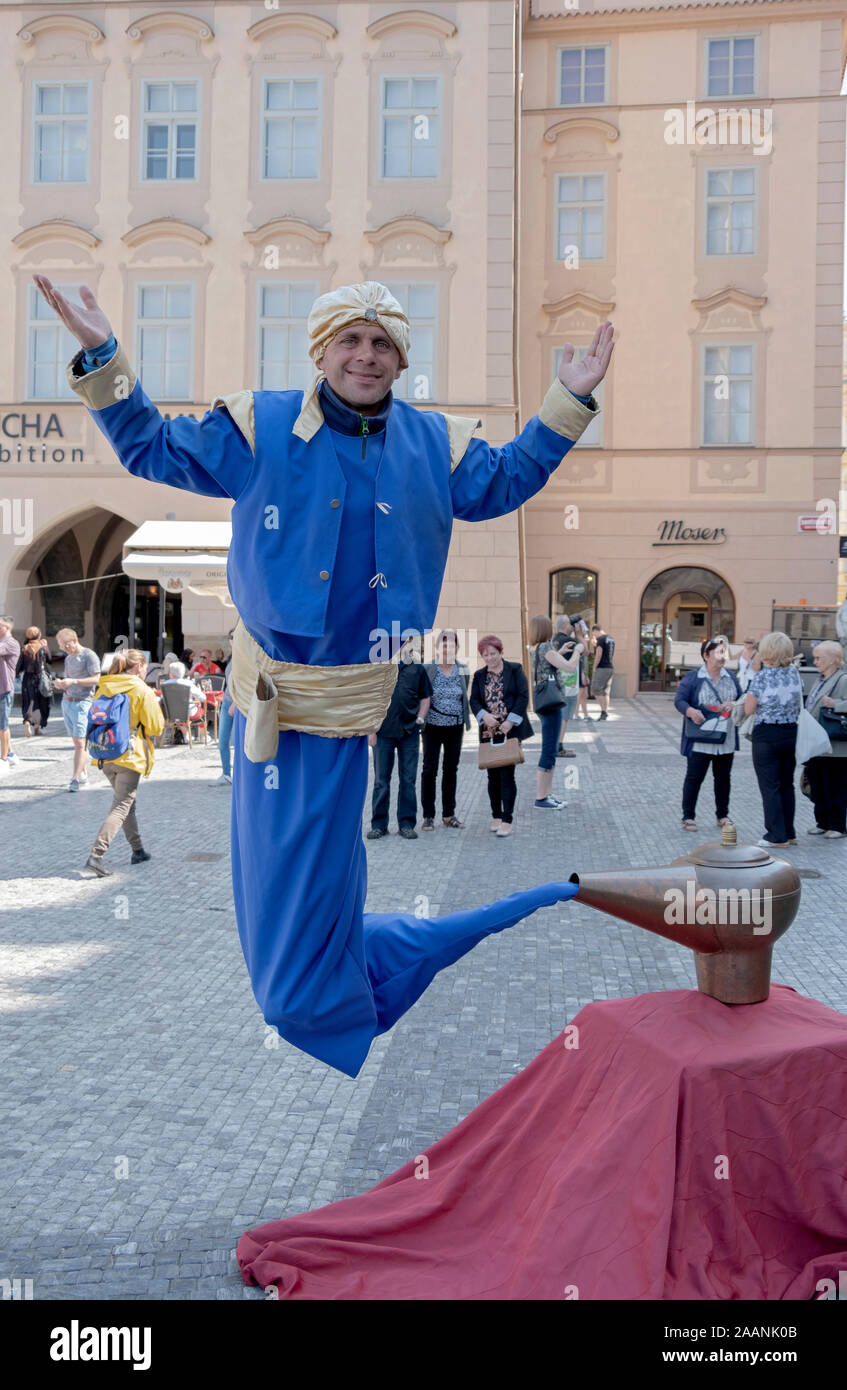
687, 698
289, 496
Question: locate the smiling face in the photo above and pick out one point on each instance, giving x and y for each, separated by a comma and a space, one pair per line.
361, 364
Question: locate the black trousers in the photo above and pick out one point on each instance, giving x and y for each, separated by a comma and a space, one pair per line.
698, 766
773, 760
406, 749
828, 781
435, 737
502, 792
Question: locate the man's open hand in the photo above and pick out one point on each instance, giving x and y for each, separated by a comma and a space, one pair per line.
582, 377
89, 325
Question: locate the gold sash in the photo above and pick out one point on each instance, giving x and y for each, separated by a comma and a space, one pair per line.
330, 701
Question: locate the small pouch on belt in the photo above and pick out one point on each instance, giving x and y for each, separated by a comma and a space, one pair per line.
261, 732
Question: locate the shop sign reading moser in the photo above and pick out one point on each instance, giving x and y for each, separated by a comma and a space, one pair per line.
677, 533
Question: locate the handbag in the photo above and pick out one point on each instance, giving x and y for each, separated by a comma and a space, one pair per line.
812, 740
45, 683
834, 725
546, 694
503, 754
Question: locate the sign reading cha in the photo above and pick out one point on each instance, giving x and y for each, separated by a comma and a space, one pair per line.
677, 533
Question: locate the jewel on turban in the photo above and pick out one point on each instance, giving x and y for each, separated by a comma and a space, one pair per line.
330, 314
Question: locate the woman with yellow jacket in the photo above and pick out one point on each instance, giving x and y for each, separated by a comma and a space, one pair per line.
126, 677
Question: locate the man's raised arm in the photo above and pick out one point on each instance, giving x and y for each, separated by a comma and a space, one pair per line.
490, 482
213, 456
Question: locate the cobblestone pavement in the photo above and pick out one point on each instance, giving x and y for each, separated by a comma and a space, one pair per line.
150, 1117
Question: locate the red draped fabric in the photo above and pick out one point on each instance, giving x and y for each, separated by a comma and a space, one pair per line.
663, 1147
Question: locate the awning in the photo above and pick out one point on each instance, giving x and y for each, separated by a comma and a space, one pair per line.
181, 555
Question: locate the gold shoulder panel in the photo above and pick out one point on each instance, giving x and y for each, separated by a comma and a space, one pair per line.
240, 406
460, 432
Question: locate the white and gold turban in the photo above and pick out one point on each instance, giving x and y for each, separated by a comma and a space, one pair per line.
370, 302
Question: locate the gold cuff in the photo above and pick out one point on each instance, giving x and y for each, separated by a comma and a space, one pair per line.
105, 385
562, 412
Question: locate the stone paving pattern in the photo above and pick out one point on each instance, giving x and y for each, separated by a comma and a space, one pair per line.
150, 1116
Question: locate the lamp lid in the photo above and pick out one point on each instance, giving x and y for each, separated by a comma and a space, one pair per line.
726, 853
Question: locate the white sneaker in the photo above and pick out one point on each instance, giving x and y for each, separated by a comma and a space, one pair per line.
816, 830
222, 781
83, 782
834, 835
73, 785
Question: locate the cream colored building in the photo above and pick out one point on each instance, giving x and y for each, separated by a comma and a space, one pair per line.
209, 168
716, 245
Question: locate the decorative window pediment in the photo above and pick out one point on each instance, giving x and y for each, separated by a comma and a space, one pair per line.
412, 19
408, 239
281, 23
412, 35
169, 19
161, 228
729, 308
578, 311
56, 229
579, 125
294, 240
66, 23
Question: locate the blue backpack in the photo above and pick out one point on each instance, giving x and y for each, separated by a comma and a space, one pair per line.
107, 734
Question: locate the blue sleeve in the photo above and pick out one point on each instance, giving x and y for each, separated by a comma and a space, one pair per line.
490, 482
682, 699
100, 355
210, 456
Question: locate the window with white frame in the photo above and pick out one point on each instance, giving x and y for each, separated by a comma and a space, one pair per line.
60, 132
593, 435
731, 67
290, 128
728, 394
731, 196
283, 344
581, 217
410, 125
169, 133
164, 340
420, 305
50, 346
583, 76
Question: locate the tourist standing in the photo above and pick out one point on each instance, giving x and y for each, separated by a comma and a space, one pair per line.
82, 672
706, 696
775, 697
399, 735
601, 680
10, 650
448, 716
564, 641
828, 775
499, 699
547, 661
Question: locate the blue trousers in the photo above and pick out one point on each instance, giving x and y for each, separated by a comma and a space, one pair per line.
329, 976
225, 735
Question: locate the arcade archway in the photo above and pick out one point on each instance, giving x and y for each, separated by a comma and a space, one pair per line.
681, 608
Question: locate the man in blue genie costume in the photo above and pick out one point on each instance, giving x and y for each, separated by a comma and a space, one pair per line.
344, 499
